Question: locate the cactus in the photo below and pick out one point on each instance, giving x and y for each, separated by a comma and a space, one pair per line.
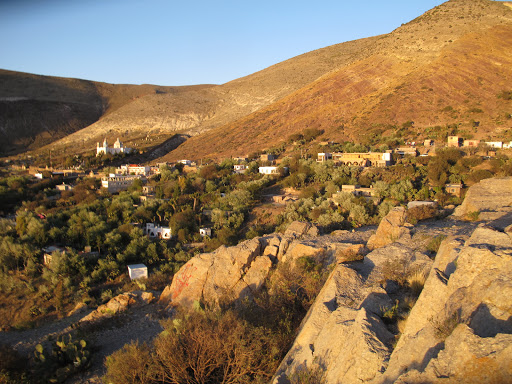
39, 353
67, 357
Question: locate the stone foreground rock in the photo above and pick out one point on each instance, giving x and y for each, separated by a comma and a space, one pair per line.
235, 273
458, 331
460, 328
487, 195
391, 228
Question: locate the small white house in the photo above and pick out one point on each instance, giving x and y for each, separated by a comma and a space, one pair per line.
271, 170
205, 232
137, 271
153, 231
239, 168
495, 144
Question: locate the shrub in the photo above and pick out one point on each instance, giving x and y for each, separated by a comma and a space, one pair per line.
434, 244
314, 374
473, 216
131, 364
213, 347
416, 282
445, 326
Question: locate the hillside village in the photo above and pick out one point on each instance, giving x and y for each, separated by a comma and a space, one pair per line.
343, 216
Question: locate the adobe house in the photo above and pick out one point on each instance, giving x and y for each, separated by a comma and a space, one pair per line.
324, 157
157, 231
454, 189
471, 143
48, 253
455, 141
267, 157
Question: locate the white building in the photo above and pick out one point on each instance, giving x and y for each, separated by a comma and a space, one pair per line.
105, 149
495, 144
117, 183
239, 168
137, 271
157, 231
134, 169
272, 170
324, 156
205, 232
188, 163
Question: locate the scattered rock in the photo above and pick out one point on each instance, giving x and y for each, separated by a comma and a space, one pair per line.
298, 249
391, 228
79, 308
298, 229
353, 252
119, 304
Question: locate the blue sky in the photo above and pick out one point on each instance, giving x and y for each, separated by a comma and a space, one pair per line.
169, 42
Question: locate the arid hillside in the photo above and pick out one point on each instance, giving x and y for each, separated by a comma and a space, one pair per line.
199, 110
37, 110
449, 70
449, 66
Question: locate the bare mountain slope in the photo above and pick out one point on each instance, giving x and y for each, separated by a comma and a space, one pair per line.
36, 110
195, 111
445, 67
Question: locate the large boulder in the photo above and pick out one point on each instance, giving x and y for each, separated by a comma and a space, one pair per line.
467, 359
229, 273
391, 228
298, 229
488, 195
470, 285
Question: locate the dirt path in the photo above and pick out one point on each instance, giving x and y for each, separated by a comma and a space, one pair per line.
140, 324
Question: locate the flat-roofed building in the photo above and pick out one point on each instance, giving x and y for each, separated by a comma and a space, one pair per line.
454, 141
117, 183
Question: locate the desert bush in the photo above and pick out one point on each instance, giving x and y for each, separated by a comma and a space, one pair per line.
443, 327
213, 347
473, 216
477, 175
434, 244
131, 364
416, 281
315, 374
12, 366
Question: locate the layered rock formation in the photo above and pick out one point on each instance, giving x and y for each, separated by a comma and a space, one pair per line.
487, 196
391, 228
460, 328
235, 273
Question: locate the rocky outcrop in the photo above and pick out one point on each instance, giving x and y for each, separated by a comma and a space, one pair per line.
343, 332
236, 273
456, 330
391, 228
488, 196
459, 329
229, 273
